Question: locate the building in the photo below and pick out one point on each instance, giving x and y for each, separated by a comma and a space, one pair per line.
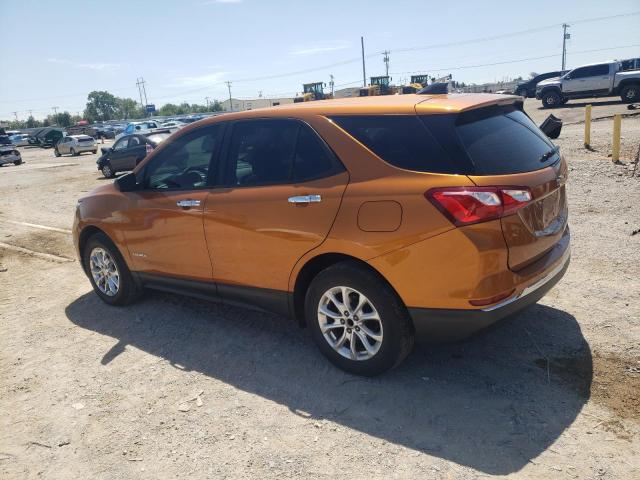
251, 104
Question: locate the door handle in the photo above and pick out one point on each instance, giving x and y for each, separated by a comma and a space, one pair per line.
188, 203
305, 199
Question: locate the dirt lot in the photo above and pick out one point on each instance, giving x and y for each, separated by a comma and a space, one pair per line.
175, 388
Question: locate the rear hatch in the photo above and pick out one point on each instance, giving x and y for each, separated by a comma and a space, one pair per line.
507, 149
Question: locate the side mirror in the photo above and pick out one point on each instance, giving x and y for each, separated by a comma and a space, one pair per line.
127, 183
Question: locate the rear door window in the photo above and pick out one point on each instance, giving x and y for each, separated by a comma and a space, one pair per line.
503, 141
401, 140
277, 151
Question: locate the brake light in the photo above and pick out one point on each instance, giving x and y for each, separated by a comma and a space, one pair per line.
468, 205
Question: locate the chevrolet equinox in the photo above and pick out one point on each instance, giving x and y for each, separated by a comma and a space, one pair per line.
372, 221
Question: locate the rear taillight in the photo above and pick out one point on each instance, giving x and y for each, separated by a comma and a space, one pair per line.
467, 205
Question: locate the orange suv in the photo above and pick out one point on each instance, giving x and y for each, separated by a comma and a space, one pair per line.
369, 220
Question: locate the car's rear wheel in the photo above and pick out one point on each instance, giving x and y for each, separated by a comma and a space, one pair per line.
630, 93
551, 99
109, 275
357, 320
56, 152
107, 171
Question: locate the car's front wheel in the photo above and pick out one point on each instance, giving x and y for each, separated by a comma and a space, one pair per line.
73, 152
56, 152
357, 320
551, 99
17, 162
109, 275
107, 171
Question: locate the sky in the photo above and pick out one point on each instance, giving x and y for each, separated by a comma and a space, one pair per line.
55, 52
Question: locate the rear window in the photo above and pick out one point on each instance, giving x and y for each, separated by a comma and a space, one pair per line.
503, 141
494, 140
401, 140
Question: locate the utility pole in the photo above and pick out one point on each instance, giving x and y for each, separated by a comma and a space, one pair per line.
206, 99
364, 72
138, 84
565, 36
385, 59
230, 101
16, 114
331, 84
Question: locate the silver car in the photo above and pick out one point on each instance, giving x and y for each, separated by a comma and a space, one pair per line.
75, 145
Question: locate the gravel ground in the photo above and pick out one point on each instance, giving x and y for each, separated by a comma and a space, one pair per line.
173, 387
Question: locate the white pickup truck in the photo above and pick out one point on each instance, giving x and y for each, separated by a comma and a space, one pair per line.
597, 80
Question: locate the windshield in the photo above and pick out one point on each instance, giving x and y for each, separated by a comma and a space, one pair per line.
5, 140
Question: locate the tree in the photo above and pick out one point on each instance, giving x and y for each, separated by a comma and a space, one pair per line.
101, 106
32, 122
533, 74
128, 108
63, 119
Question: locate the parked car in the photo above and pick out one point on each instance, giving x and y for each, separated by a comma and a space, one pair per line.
75, 145
528, 89
173, 124
138, 127
20, 139
596, 80
8, 152
372, 221
128, 151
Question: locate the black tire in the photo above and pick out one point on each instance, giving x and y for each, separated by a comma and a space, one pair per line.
128, 290
397, 328
551, 99
56, 152
73, 152
17, 162
107, 171
630, 93
94, 151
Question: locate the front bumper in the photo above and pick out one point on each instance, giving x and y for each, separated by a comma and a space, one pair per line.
447, 325
9, 158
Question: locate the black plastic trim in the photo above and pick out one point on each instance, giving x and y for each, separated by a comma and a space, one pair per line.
265, 299
443, 325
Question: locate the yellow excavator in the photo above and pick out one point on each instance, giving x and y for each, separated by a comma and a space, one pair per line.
311, 92
378, 86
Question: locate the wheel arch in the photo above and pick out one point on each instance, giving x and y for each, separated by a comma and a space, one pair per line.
553, 88
316, 265
85, 234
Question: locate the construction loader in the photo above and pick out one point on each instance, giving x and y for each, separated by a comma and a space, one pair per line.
311, 92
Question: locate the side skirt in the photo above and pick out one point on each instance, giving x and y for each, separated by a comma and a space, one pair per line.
263, 299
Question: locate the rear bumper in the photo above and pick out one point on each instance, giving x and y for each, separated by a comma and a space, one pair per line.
443, 325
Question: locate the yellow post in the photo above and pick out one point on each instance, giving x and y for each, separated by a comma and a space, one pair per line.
615, 154
587, 126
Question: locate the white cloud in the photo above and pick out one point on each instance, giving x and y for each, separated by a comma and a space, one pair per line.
204, 80
315, 49
102, 67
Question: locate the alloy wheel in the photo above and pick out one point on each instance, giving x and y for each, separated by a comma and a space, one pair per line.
104, 271
350, 323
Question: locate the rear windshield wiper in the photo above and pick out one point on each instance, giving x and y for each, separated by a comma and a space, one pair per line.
549, 154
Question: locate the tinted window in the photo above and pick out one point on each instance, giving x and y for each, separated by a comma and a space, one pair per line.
401, 140
134, 142
600, 70
264, 152
120, 144
502, 141
184, 163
